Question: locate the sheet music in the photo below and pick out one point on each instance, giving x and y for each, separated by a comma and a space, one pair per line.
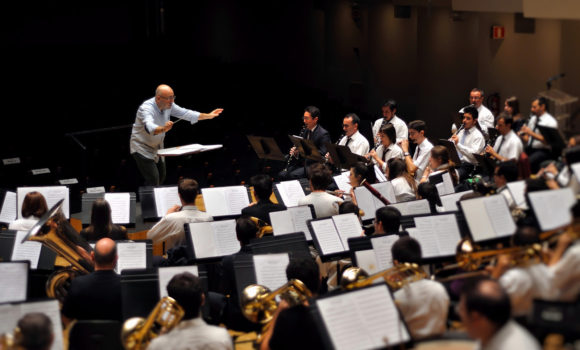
327, 236
222, 201
225, 237
271, 270
9, 316
380, 175
120, 204
347, 226
291, 192
500, 215
518, 192
367, 260
450, 201
52, 310
17, 274
8, 213
366, 202
382, 250
27, 251
387, 190
445, 187
343, 181
165, 198
214, 238
363, 319
417, 207
132, 255
292, 220
52, 194
193, 148
167, 273
437, 234
552, 207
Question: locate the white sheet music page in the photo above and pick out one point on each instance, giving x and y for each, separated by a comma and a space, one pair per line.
167, 273
132, 255
367, 260
51, 309
552, 207
165, 198
347, 226
271, 270
424, 233
202, 237
417, 207
236, 199
222, 201
366, 202
8, 212
477, 219
447, 233
343, 181
387, 190
120, 204
300, 216
225, 238
327, 236
52, 194
382, 250
363, 319
9, 316
500, 215
282, 222
518, 192
450, 201
445, 187
291, 192
17, 274
27, 251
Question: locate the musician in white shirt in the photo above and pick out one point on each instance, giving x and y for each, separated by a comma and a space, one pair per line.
486, 118
356, 142
418, 162
508, 145
468, 141
387, 150
537, 146
389, 110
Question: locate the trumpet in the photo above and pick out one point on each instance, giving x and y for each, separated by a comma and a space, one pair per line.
138, 332
396, 277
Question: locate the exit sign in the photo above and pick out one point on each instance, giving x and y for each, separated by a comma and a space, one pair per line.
497, 32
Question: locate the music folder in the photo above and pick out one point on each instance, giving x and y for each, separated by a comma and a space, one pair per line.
52, 194
330, 235
486, 162
212, 240
294, 244
364, 318
134, 255
342, 156
8, 211
41, 257
449, 201
553, 137
266, 147
17, 273
438, 236
488, 218
416, 207
290, 192
369, 203
292, 220
268, 270
307, 148
450, 145
123, 207
552, 207
155, 201
225, 201
373, 254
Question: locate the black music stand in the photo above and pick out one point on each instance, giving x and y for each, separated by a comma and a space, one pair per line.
485, 162
450, 145
553, 138
266, 147
307, 148
342, 156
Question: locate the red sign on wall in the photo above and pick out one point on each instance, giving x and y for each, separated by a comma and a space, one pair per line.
497, 32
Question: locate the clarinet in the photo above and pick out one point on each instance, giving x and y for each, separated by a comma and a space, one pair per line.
290, 157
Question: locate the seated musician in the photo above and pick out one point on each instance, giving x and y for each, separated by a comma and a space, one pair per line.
506, 172
387, 220
192, 332
262, 184
292, 326
388, 148
102, 224
429, 192
325, 204
484, 308
439, 162
404, 185
33, 207
36, 332
171, 227
360, 172
417, 163
508, 145
468, 141
424, 303
353, 139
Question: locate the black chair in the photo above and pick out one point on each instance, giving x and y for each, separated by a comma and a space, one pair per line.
95, 335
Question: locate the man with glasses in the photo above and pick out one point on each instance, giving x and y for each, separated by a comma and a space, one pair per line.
151, 124
486, 118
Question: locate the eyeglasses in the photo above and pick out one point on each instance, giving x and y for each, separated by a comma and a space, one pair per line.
168, 98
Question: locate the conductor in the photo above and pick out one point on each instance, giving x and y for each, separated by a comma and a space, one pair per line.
151, 124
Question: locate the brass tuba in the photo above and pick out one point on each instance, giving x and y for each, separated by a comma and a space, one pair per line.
264, 228
396, 277
259, 303
54, 232
138, 332
11, 341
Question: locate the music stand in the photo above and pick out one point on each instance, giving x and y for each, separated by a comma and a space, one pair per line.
342, 156
266, 147
553, 138
451, 149
307, 148
485, 162
186, 149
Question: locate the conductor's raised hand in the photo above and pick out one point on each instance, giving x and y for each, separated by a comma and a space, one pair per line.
212, 114
168, 126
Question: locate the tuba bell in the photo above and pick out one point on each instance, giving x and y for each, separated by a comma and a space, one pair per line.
264, 228
138, 332
54, 232
396, 277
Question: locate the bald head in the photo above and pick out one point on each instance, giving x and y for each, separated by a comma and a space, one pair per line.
486, 297
105, 254
164, 96
163, 90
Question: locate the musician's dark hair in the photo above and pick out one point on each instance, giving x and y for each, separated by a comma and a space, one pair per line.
472, 111
365, 172
492, 302
390, 218
542, 101
507, 118
34, 204
406, 250
186, 289
397, 167
188, 190
320, 176
526, 235
442, 153
355, 118
389, 131
105, 259
391, 104
514, 104
428, 191
314, 111
508, 169
477, 90
348, 207
101, 221
36, 331
246, 230
307, 271
418, 125
262, 184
